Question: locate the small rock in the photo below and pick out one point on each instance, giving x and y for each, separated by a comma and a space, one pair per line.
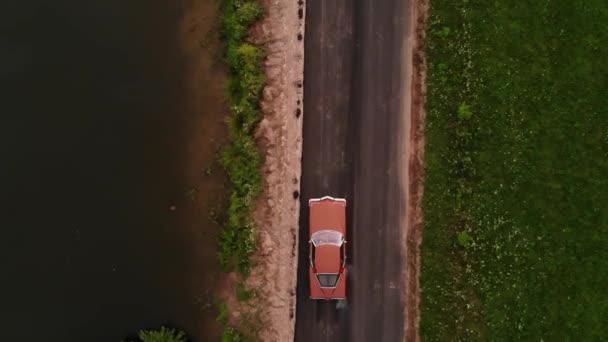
269, 93
266, 245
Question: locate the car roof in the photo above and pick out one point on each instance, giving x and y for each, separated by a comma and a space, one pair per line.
327, 259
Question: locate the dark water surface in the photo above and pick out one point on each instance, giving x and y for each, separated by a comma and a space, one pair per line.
111, 112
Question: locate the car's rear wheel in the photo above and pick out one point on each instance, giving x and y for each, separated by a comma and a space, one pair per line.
349, 279
341, 304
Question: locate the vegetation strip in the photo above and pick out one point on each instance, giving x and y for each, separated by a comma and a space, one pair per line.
241, 158
517, 171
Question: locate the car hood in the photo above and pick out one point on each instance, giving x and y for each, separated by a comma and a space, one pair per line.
328, 215
327, 259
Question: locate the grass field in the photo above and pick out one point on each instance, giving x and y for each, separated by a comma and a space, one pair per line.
516, 202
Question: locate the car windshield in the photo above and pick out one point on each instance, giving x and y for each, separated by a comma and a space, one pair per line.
330, 237
328, 280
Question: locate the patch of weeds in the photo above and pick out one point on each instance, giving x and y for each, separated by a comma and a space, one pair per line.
232, 335
464, 239
464, 112
444, 32
242, 293
222, 313
163, 334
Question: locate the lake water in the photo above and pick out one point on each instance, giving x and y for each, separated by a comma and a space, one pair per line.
111, 115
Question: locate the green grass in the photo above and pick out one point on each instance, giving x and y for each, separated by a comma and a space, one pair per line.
516, 202
241, 158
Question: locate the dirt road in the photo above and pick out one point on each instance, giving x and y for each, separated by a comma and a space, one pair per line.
356, 115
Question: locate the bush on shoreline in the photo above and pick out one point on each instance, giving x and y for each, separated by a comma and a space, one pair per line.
163, 334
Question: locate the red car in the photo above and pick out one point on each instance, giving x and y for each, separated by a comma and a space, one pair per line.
327, 271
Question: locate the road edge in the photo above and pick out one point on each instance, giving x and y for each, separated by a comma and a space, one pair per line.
416, 172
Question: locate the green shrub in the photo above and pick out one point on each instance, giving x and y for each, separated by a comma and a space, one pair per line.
238, 16
232, 59
249, 12
464, 239
162, 335
232, 28
250, 57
